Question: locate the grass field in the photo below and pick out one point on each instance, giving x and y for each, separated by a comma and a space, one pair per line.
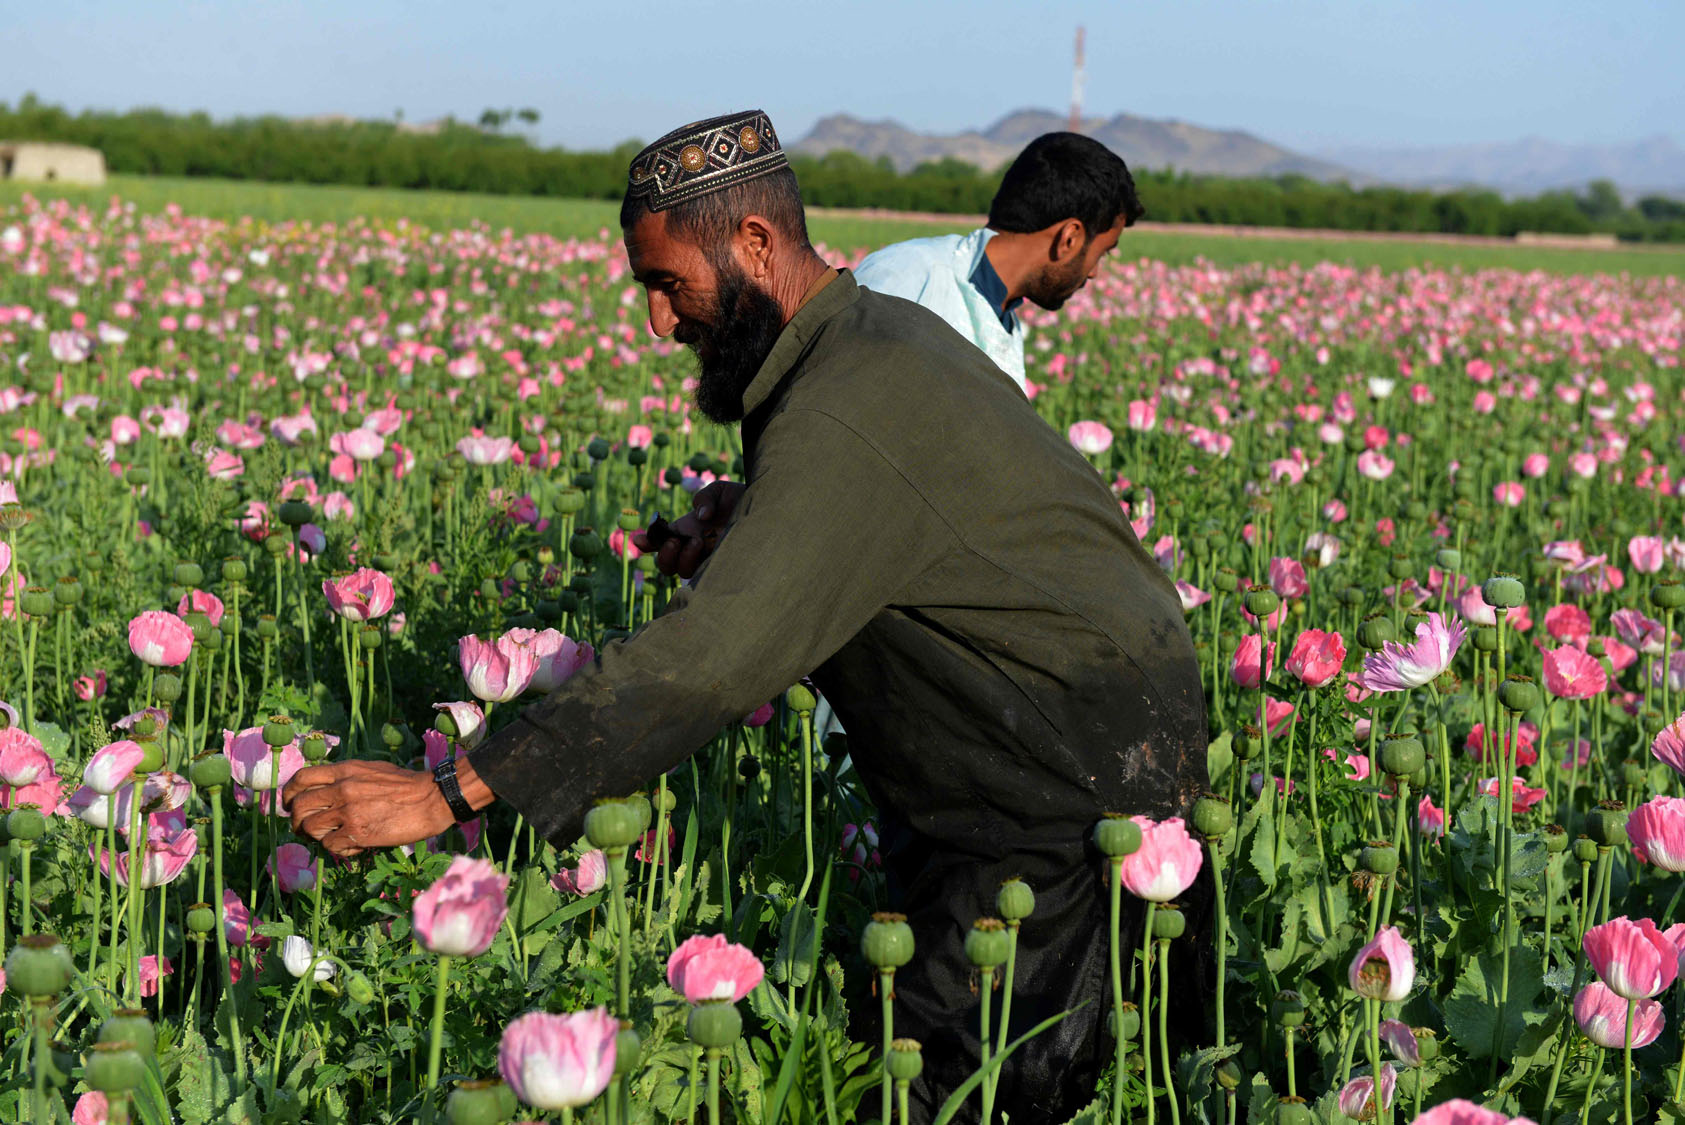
227, 199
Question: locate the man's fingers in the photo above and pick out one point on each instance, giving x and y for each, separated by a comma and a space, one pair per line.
318, 824
311, 777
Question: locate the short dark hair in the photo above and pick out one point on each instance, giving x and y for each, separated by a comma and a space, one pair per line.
1063, 176
709, 220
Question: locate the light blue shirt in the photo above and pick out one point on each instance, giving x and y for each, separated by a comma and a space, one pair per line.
938, 274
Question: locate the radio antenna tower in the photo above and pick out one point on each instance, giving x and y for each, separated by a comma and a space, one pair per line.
1079, 78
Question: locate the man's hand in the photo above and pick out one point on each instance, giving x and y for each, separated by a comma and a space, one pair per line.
355, 806
693, 537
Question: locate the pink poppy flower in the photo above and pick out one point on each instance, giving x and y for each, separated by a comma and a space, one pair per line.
1633, 958
1399, 667
705, 968
1165, 864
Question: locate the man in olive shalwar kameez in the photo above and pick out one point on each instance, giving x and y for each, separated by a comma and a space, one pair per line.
1009, 662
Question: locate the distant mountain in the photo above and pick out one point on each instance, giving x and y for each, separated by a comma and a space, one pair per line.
1142, 142
1527, 166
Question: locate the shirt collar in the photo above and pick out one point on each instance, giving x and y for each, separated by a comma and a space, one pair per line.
831, 298
988, 283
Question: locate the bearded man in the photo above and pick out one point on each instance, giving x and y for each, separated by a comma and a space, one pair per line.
1060, 209
1010, 663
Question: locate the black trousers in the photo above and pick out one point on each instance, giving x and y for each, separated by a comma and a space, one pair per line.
1063, 962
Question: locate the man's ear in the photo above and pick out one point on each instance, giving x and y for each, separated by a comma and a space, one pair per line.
755, 242
1069, 237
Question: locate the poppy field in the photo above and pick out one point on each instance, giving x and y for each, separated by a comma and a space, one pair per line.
275, 493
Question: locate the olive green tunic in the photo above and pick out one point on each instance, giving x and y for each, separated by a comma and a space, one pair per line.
1009, 662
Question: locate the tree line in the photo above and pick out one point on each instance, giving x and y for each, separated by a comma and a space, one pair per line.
458, 156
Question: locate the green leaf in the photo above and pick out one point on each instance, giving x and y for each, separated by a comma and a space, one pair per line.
53, 739
1472, 1009
1536, 1047
1219, 756
795, 937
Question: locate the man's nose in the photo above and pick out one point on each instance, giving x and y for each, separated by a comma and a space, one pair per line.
662, 322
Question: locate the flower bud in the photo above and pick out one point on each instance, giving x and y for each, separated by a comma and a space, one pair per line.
748, 767
38, 965
392, 735
1169, 923
1228, 1074
1402, 755
800, 697
114, 1068
1288, 1009
1379, 857
715, 1024
887, 941
1503, 591
358, 988
1212, 817
1518, 693
1117, 836
627, 1048
987, 945
1016, 901
906, 1060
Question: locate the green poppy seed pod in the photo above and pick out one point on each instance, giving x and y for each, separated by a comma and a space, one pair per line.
715, 1024
906, 1060
114, 1068
1607, 826
38, 965
266, 628
1585, 850
1485, 638
295, 513
987, 945
1556, 839
580, 584
227, 628
1518, 693
276, 545
627, 1049
37, 601
666, 800
521, 571
597, 449
528, 444
672, 477
152, 755
210, 770
1596, 647
1117, 836
1260, 601
67, 591
1633, 774
1379, 858
1415, 510
629, 520
748, 767
278, 731
145, 727
700, 462
1226, 580
1402, 755
801, 699
1288, 1009
585, 544
1213, 817
1245, 744
1352, 596
1131, 1022
1503, 591
314, 747
475, 1102
1374, 632
137, 477
201, 919
166, 687
613, 824
26, 823
887, 941
637, 458
644, 564
1169, 923
1292, 1110
392, 735
189, 574
644, 810
1667, 594
1228, 1074
549, 611
358, 988
1448, 558
1355, 442
489, 589
370, 637
444, 724
1401, 567
1427, 1043
200, 622
1015, 901
234, 570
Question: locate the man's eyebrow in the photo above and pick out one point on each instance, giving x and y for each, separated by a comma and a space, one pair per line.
644, 277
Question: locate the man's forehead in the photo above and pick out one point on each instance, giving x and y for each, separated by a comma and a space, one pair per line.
650, 249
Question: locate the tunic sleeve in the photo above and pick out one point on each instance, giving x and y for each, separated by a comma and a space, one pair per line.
823, 538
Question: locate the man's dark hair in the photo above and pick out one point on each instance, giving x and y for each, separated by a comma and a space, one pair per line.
709, 220
1063, 176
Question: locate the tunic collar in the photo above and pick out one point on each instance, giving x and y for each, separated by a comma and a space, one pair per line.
837, 295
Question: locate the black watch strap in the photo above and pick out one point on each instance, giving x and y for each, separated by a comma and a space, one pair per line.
445, 775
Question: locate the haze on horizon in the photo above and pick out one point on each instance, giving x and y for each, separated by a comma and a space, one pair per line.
1313, 75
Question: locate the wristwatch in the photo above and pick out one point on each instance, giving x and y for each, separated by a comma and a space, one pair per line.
444, 774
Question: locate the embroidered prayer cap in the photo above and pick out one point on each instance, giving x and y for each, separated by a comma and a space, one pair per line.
705, 156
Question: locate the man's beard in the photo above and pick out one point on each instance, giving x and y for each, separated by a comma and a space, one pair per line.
741, 328
1052, 287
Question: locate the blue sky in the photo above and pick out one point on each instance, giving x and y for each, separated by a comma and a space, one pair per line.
1305, 73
